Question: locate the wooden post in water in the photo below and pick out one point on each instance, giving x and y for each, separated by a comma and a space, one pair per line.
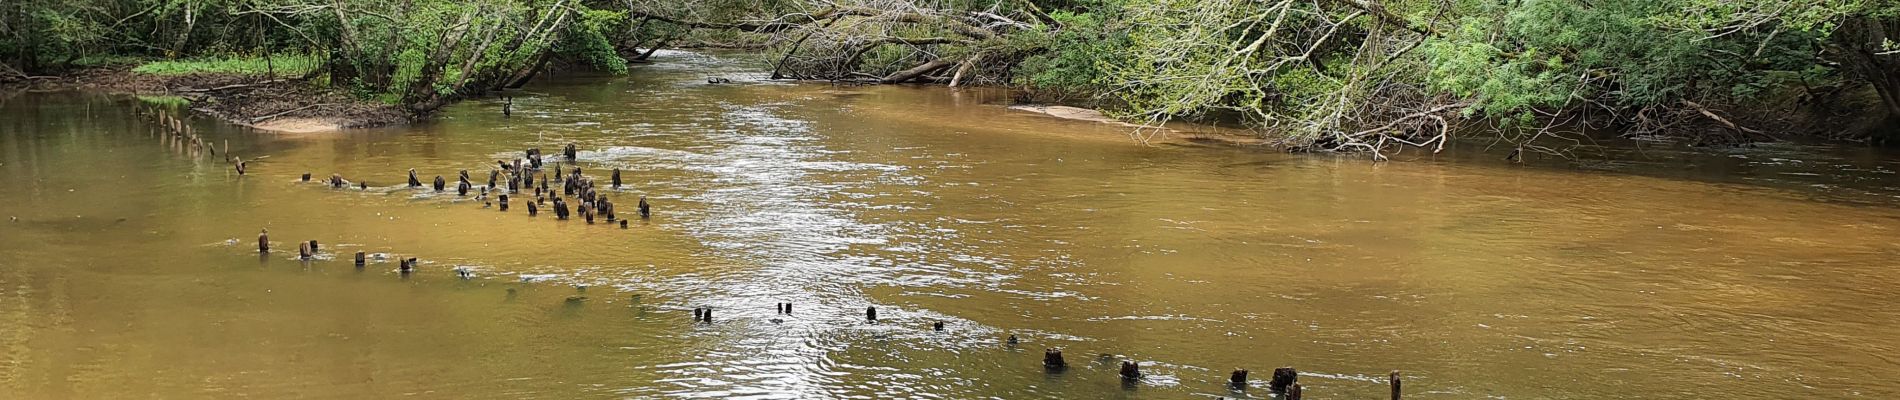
263, 241
313, 247
360, 259
1238, 379
1395, 385
303, 250
1293, 393
938, 326
870, 313
1283, 377
1052, 359
1131, 370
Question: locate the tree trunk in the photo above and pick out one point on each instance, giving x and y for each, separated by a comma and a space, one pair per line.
1859, 42
913, 73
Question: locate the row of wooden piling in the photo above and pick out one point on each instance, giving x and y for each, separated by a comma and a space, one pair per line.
180, 136
1284, 382
307, 250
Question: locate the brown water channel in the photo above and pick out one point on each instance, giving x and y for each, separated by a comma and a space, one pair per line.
130, 271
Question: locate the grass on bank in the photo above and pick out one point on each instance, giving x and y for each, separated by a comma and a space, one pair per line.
284, 65
165, 101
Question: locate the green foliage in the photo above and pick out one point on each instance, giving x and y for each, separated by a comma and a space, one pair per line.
283, 64
587, 40
1076, 57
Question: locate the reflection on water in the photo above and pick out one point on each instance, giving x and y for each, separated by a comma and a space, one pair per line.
130, 270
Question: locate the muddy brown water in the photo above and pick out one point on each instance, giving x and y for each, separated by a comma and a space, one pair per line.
130, 271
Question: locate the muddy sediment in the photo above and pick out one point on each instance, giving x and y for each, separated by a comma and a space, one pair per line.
281, 104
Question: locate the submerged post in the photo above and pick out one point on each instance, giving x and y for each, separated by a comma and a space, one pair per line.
1131, 370
1395, 385
1282, 378
1052, 359
1238, 379
263, 241
360, 259
1293, 393
870, 313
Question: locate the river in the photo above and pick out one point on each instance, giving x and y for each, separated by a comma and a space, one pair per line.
128, 267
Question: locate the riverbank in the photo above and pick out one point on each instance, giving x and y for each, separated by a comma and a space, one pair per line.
283, 105
1167, 133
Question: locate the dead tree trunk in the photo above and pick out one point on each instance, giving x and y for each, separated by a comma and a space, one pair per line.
921, 70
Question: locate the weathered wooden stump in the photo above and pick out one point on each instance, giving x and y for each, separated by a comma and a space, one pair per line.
1052, 359
870, 313
1395, 384
306, 177
1238, 379
263, 241
360, 259
303, 250
1282, 378
1293, 393
938, 326
1131, 370
440, 184
313, 247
